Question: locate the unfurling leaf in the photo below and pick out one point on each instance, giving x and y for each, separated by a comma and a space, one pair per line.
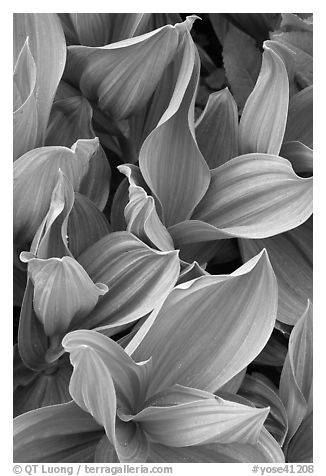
62, 291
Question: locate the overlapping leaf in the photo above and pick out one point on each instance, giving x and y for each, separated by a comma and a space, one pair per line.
141, 215
297, 373
291, 257
48, 48
170, 160
25, 109
300, 118
122, 76
242, 61
262, 395
250, 196
217, 129
221, 334
98, 29
138, 277
36, 173
56, 434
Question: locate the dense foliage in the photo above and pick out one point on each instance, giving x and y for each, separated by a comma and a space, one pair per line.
162, 237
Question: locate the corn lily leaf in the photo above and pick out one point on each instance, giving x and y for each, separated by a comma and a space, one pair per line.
273, 354
56, 434
119, 203
233, 385
129, 379
217, 129
105, 452
300, 118
93, 356
300, 449
25, 110
190, 272
123, 384
242, 61
70, 120
291, 257
141, 215
258, 25
170, 160
267, 198
98, 29
209, 304
100, 72
266, 450
262, 395
173, 419
297, 35
50, 240
296, 376
40, 389
138, 277
36, 174
48, 48
220, 421
300, 156
202, 252
296, 22
86, 225
167, 96
263, 120
62, 291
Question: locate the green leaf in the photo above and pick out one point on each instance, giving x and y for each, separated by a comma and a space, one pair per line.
242, 61
263, 119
